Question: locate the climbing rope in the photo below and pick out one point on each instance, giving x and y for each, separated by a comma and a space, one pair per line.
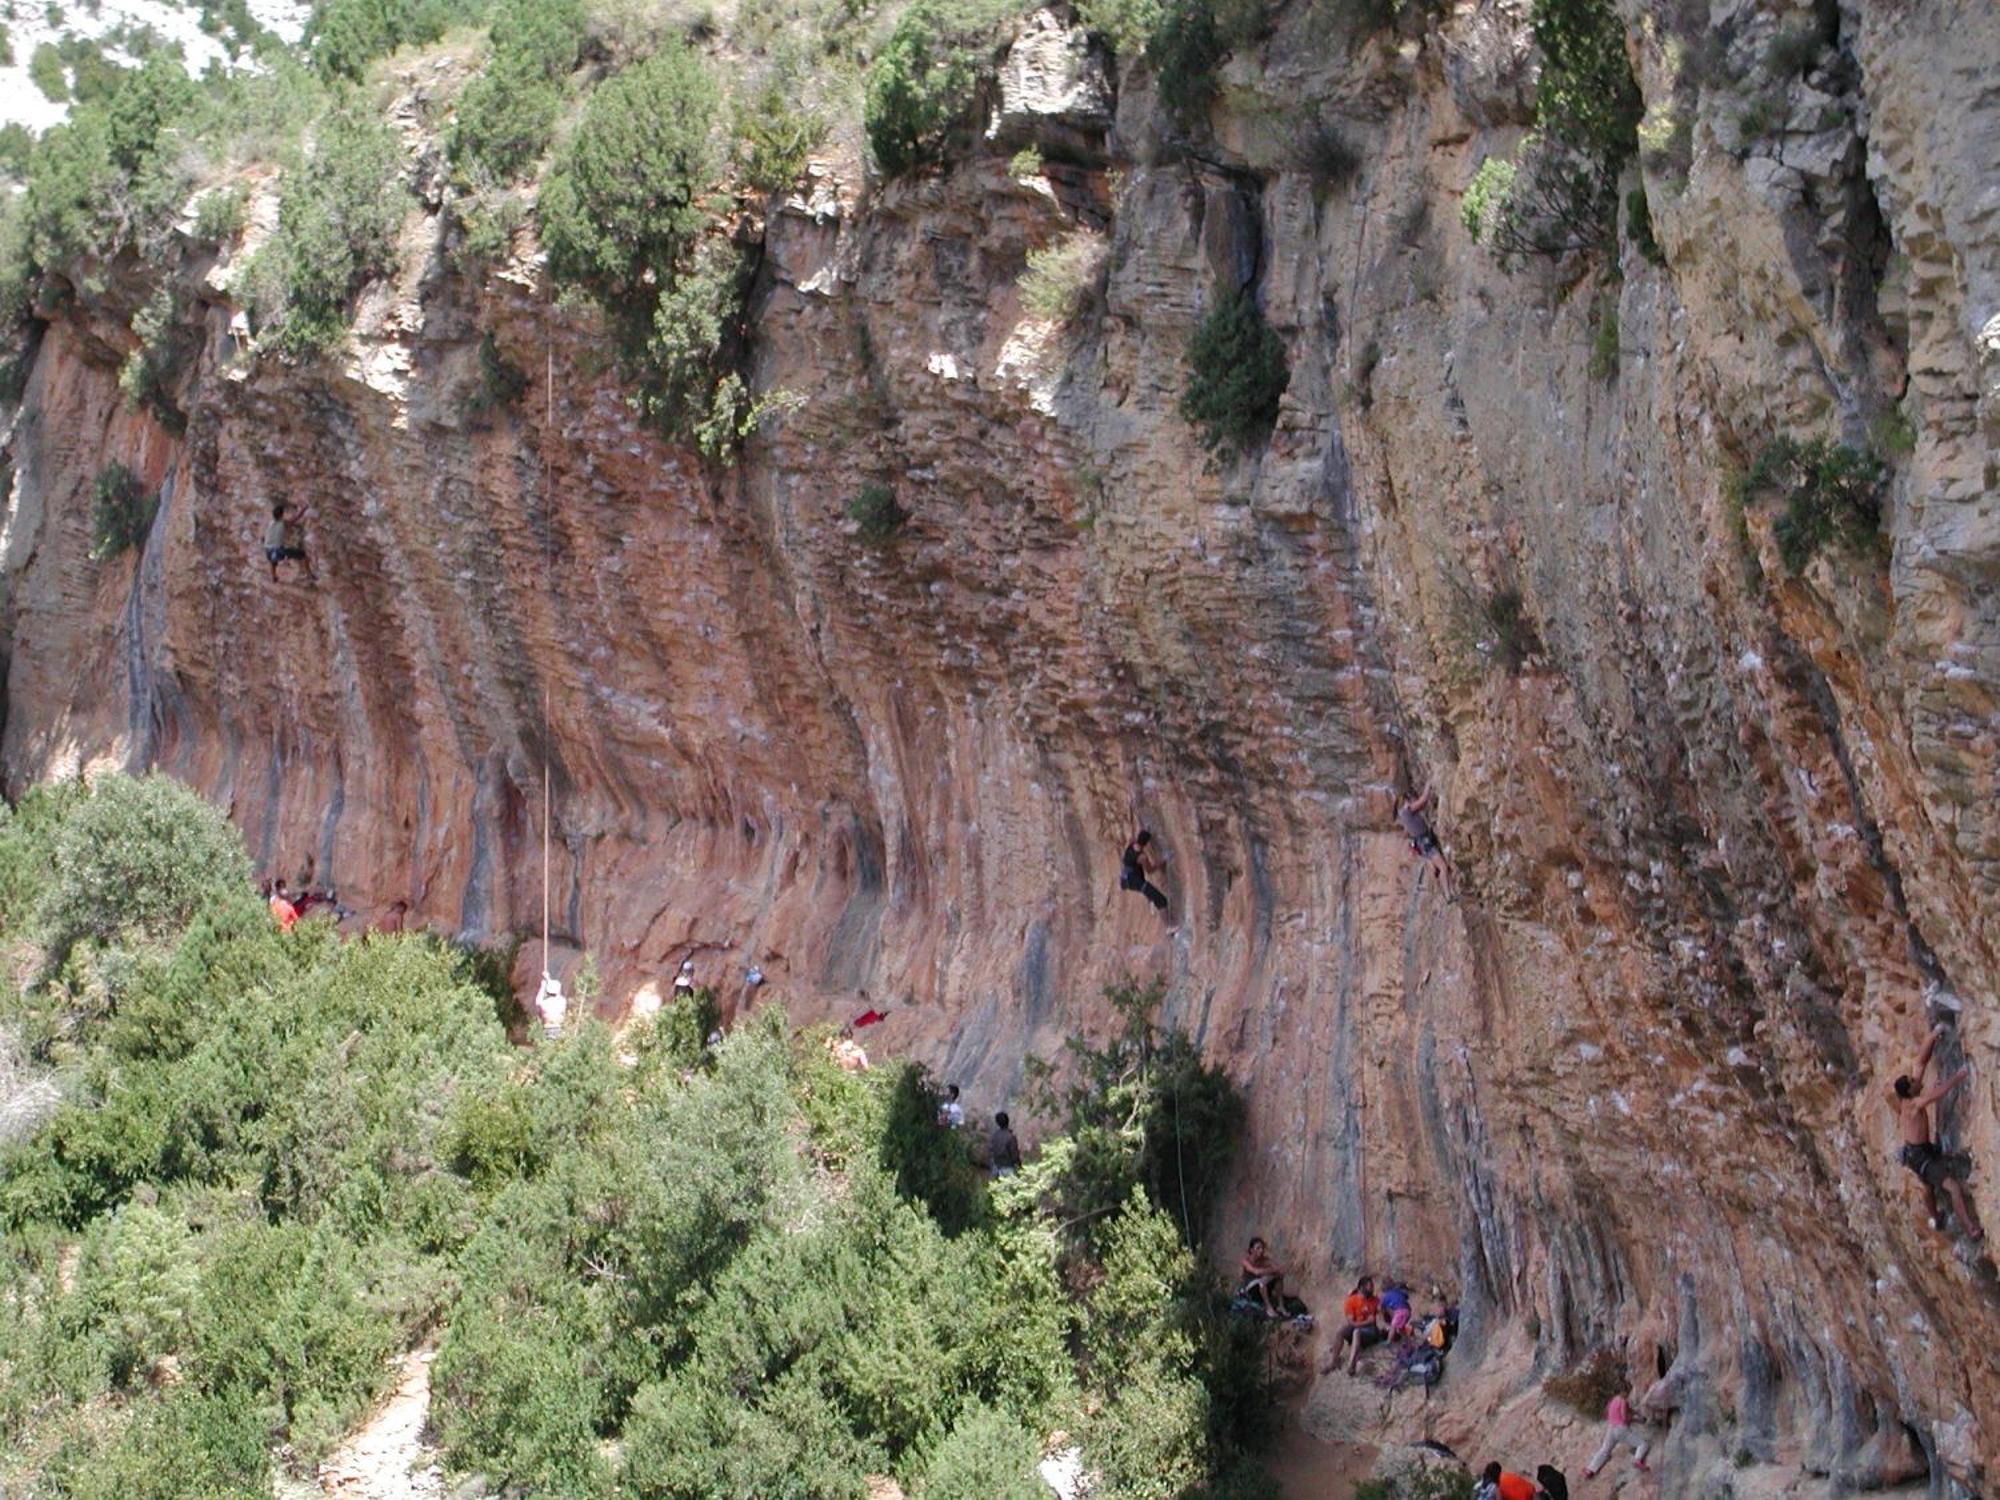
550, 1001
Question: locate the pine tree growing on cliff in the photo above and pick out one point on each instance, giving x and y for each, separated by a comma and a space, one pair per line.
1236, 376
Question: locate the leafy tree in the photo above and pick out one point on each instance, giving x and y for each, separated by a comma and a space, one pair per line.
623, 199
506, 114
337, 224
147, 102
987, 1455
1236, 376
921, 87
139, 854
1832, 496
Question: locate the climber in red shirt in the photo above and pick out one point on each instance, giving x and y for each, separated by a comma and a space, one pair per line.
283, 912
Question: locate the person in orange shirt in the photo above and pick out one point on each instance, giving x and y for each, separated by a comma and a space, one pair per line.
283, 912
1502, 1484
1362, 1328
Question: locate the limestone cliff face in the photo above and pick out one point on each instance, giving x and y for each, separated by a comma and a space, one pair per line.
1718, 840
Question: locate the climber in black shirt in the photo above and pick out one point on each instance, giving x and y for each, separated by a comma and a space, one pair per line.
1137, 862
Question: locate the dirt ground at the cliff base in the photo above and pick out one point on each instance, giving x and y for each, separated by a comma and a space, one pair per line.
1304, 1467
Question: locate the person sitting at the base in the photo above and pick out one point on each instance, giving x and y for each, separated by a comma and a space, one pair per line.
1264, 1278
1363, 1328
951, 1114
1396, 1310
283, 912
1003, 1149
1503, 1484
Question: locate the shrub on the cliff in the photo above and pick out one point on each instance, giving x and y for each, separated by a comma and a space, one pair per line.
1604, 342
337, 223
506, 114
1236, 376
502, 383
220, 213
149, 371
1586, 97
622, 202
121, 511
921, 87
344, 36
1059, 279
876, 512
1832, 496
774, 136
1562, 195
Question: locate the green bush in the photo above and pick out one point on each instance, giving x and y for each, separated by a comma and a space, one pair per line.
502, 383
344, 36
922, 86
691, 387
220, 214
774, 137
1143, 1111
987, 1455
145, 105
1185, 49
47, 73
149, 371
1059, 279
506, 114
1422, 1481
622, 202
1125, 24
1562, 195
121, 511
505, 117
76, 206
1236, 376
139, 854
1639, 227
1486, 195
878, 514
337, 223
1832, 496
1604, 343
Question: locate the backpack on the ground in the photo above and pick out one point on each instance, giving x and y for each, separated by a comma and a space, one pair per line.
1551, 1482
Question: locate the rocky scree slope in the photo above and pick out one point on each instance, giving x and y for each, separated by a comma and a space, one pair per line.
1720, 833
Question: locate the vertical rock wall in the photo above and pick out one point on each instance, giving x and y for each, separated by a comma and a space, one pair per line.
1717, 840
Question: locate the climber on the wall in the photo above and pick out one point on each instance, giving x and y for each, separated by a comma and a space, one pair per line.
1935, 1167
1136, 863
1410, 812
281, 543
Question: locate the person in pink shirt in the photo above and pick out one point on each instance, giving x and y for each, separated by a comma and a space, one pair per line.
1618, 1433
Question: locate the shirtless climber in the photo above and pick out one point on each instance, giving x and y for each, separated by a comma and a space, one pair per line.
1423, 840
1935, 1168
281, 543
1136, 863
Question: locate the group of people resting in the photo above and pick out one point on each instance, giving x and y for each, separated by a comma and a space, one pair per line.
1391, 1319
287, 905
